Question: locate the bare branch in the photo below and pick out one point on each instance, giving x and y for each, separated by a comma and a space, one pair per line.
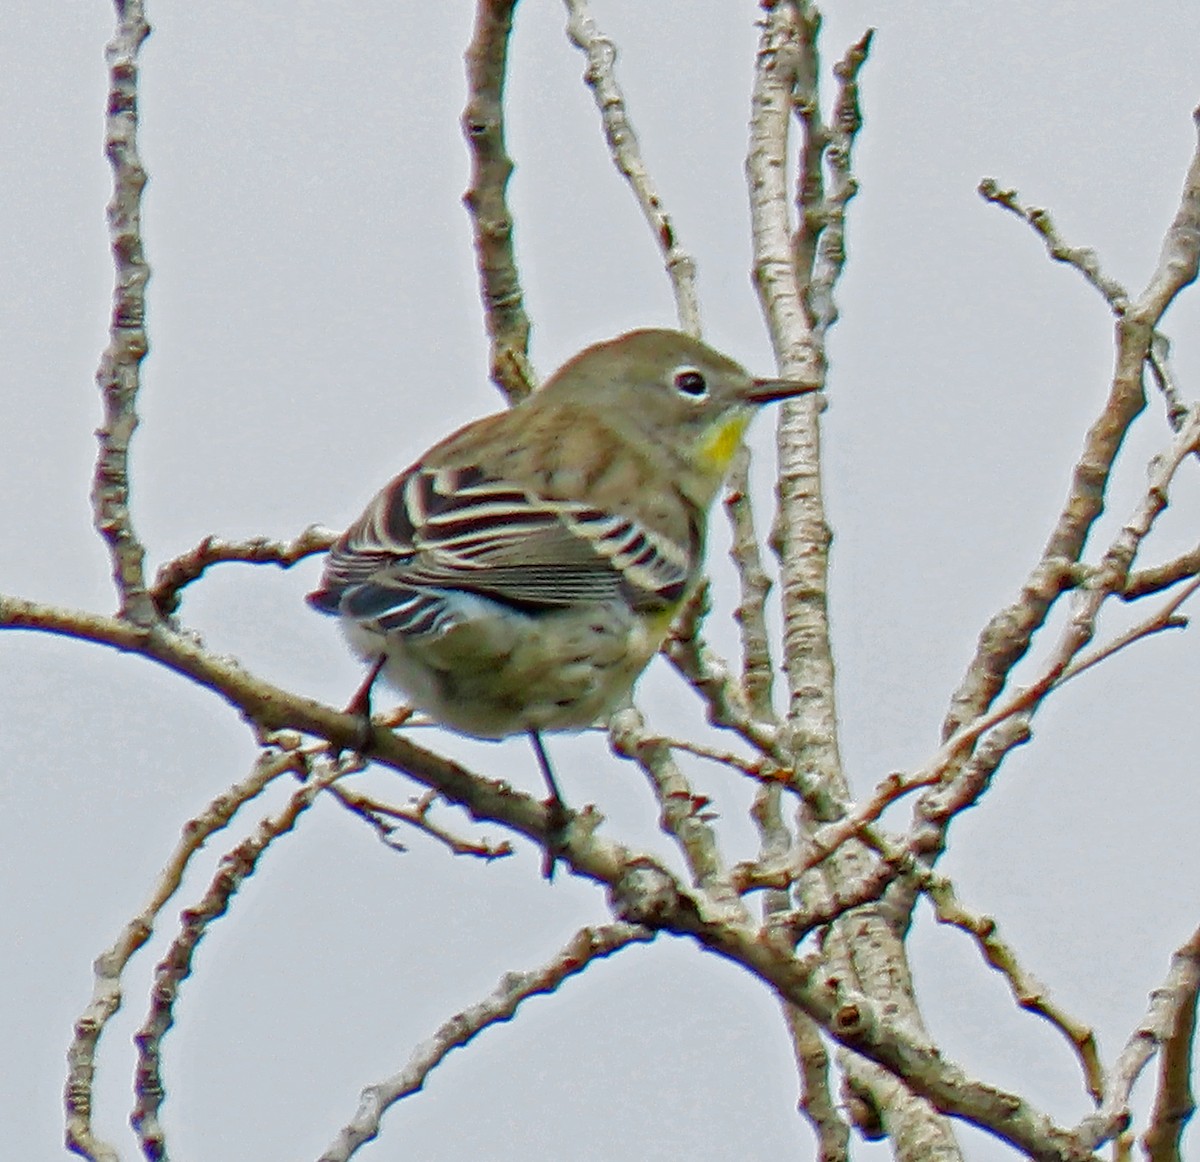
176, 574
270, 707
1082, 258
1156, 578
826, 218
1160, 368
814, 141
1174, 1104
881, 1105
119, 375
641, 889
1061, 665
758, 672
176, 965
586, 946
958, 781
1027, 991
761, 769
812, 1060
775, 843
486, 200
801, 536
1163, 619
816, 1099
110, 965
682, 810
415, 813
600, 77
710, 677
778, 64
1172, 1009
1006, 638
833, 901
1179, 259
786, 76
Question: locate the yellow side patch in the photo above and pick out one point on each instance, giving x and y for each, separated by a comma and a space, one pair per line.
658, 621
716, 447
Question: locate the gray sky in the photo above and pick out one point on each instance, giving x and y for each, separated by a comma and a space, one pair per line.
315, 325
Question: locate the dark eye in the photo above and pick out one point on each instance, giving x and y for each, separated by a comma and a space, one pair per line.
690, 382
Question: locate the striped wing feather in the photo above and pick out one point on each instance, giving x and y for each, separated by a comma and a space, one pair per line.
433, 530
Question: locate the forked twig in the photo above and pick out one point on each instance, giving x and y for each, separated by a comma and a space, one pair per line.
386, 819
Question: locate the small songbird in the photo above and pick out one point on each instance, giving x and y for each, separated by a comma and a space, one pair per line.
524, 571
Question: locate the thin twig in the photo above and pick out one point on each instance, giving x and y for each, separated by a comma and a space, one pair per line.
1155, 578
683, 813
827, 218
709, 675
1029, 993
600, 77
1160, 368
1007, 637
1063, 662
415, 813
1166, 1017
109, 966
586, 946
762, 769
486, 200
758, 671
1162, 619
119, 374
1082, 258
176, 574
176, 965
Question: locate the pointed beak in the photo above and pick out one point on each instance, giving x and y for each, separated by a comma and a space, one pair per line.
770, 390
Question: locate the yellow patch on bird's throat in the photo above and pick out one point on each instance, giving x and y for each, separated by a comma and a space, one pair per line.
716, 447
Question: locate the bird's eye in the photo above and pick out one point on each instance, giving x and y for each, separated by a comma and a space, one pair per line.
688, 381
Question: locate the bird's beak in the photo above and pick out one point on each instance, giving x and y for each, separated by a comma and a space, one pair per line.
770, 390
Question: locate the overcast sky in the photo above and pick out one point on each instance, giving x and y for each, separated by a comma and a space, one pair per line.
314, 325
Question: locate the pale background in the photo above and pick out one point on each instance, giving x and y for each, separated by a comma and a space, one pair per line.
314, 325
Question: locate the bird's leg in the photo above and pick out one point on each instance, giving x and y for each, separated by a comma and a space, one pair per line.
559, 817
547, 771
360, 705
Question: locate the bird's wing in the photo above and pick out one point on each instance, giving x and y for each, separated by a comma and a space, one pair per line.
455, 528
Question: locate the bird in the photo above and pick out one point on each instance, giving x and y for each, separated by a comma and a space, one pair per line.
521, 574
